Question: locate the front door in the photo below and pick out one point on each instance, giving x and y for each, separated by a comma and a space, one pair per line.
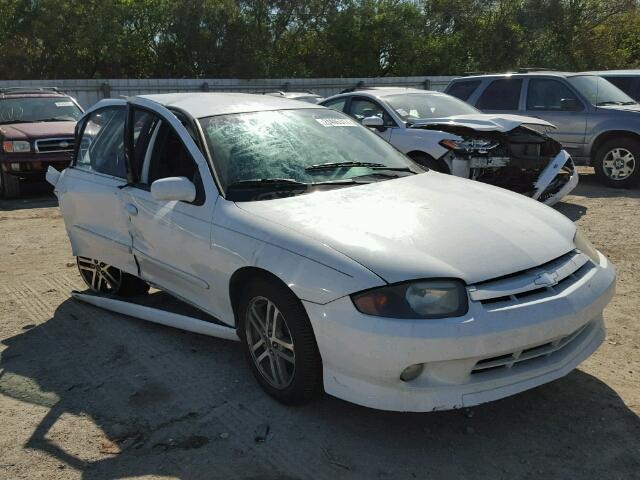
555, 102
89, 191
171, 239
361, 108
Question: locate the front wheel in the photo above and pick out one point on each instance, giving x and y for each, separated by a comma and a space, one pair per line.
9, 186
428, 161
106, 279
617, 163
279, 343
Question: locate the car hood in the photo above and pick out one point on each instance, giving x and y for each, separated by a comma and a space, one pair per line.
19, 131
482, 122
426, 226
624, 108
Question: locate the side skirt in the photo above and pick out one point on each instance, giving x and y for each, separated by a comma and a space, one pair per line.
157, 315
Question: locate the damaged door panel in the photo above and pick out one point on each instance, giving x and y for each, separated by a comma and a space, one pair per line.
522, 159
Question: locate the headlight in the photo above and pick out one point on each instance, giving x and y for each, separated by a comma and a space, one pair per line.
415, 299
583, 244
450, 144
17, 146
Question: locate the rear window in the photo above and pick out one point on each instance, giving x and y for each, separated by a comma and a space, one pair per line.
463, 89
503, 94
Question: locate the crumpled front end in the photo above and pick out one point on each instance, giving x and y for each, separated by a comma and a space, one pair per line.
522, 160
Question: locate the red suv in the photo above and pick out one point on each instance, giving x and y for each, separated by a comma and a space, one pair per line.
36, 130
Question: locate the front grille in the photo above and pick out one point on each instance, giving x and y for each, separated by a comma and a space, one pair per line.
547, 279
529, 355
55, 145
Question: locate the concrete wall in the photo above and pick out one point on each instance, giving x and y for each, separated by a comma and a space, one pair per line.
89, 91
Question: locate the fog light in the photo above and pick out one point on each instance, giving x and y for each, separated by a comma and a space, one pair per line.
412, 372
15, 167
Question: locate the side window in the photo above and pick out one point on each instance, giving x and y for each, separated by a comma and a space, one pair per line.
102, 144
362, 108
548, 94
463, 89
337, 104
167, 156
503, 94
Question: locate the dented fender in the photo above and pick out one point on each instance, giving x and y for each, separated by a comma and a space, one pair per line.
314, 271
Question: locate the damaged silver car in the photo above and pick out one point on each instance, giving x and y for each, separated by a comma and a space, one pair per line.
447, 135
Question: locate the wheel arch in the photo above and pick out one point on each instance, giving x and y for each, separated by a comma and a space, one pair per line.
244, 275
604, 137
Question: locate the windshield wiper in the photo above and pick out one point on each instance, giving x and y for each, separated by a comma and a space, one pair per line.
55, 119
5, 122
334, 165
267, 182
286, 183
373, 166
611, 102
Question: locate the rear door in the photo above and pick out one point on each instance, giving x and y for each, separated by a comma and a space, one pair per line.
501, 96
89, 191
555, 101
171, 239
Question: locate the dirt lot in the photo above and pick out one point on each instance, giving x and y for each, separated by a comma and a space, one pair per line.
89, 394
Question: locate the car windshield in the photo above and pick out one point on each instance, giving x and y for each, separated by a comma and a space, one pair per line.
299, 147
416, 106
600, 92
38, 109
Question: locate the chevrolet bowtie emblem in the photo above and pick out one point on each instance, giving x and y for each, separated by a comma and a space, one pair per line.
546, 279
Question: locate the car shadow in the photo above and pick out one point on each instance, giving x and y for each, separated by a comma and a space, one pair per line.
32, 196
589, 186
572, 211
171, 403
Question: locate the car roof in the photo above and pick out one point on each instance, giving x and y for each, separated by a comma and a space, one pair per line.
381, 92
28, 92
292, 94
208, 104
615, 73
537, 73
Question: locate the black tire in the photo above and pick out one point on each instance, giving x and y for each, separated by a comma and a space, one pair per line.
9, 186
428, 161
611, 156
110, 280
305, 381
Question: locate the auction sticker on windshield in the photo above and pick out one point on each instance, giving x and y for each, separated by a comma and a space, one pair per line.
336, 122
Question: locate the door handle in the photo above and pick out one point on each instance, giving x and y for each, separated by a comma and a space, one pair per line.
131, 209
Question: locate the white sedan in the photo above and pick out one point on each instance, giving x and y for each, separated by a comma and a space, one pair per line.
446, 134
338, 263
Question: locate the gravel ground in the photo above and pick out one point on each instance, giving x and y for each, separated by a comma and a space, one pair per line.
89, 394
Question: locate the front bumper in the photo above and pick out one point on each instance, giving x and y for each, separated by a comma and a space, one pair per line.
363, 356
557, 180
33, 167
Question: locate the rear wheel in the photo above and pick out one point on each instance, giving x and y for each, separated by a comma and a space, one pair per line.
106, 279
278, 343
617, 163
429, 162
9, 186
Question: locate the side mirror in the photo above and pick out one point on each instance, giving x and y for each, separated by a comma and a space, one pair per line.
373, 122
570, 105
173, 188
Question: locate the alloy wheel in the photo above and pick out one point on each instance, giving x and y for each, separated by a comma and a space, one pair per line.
270, 342
100, 277
618, 164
